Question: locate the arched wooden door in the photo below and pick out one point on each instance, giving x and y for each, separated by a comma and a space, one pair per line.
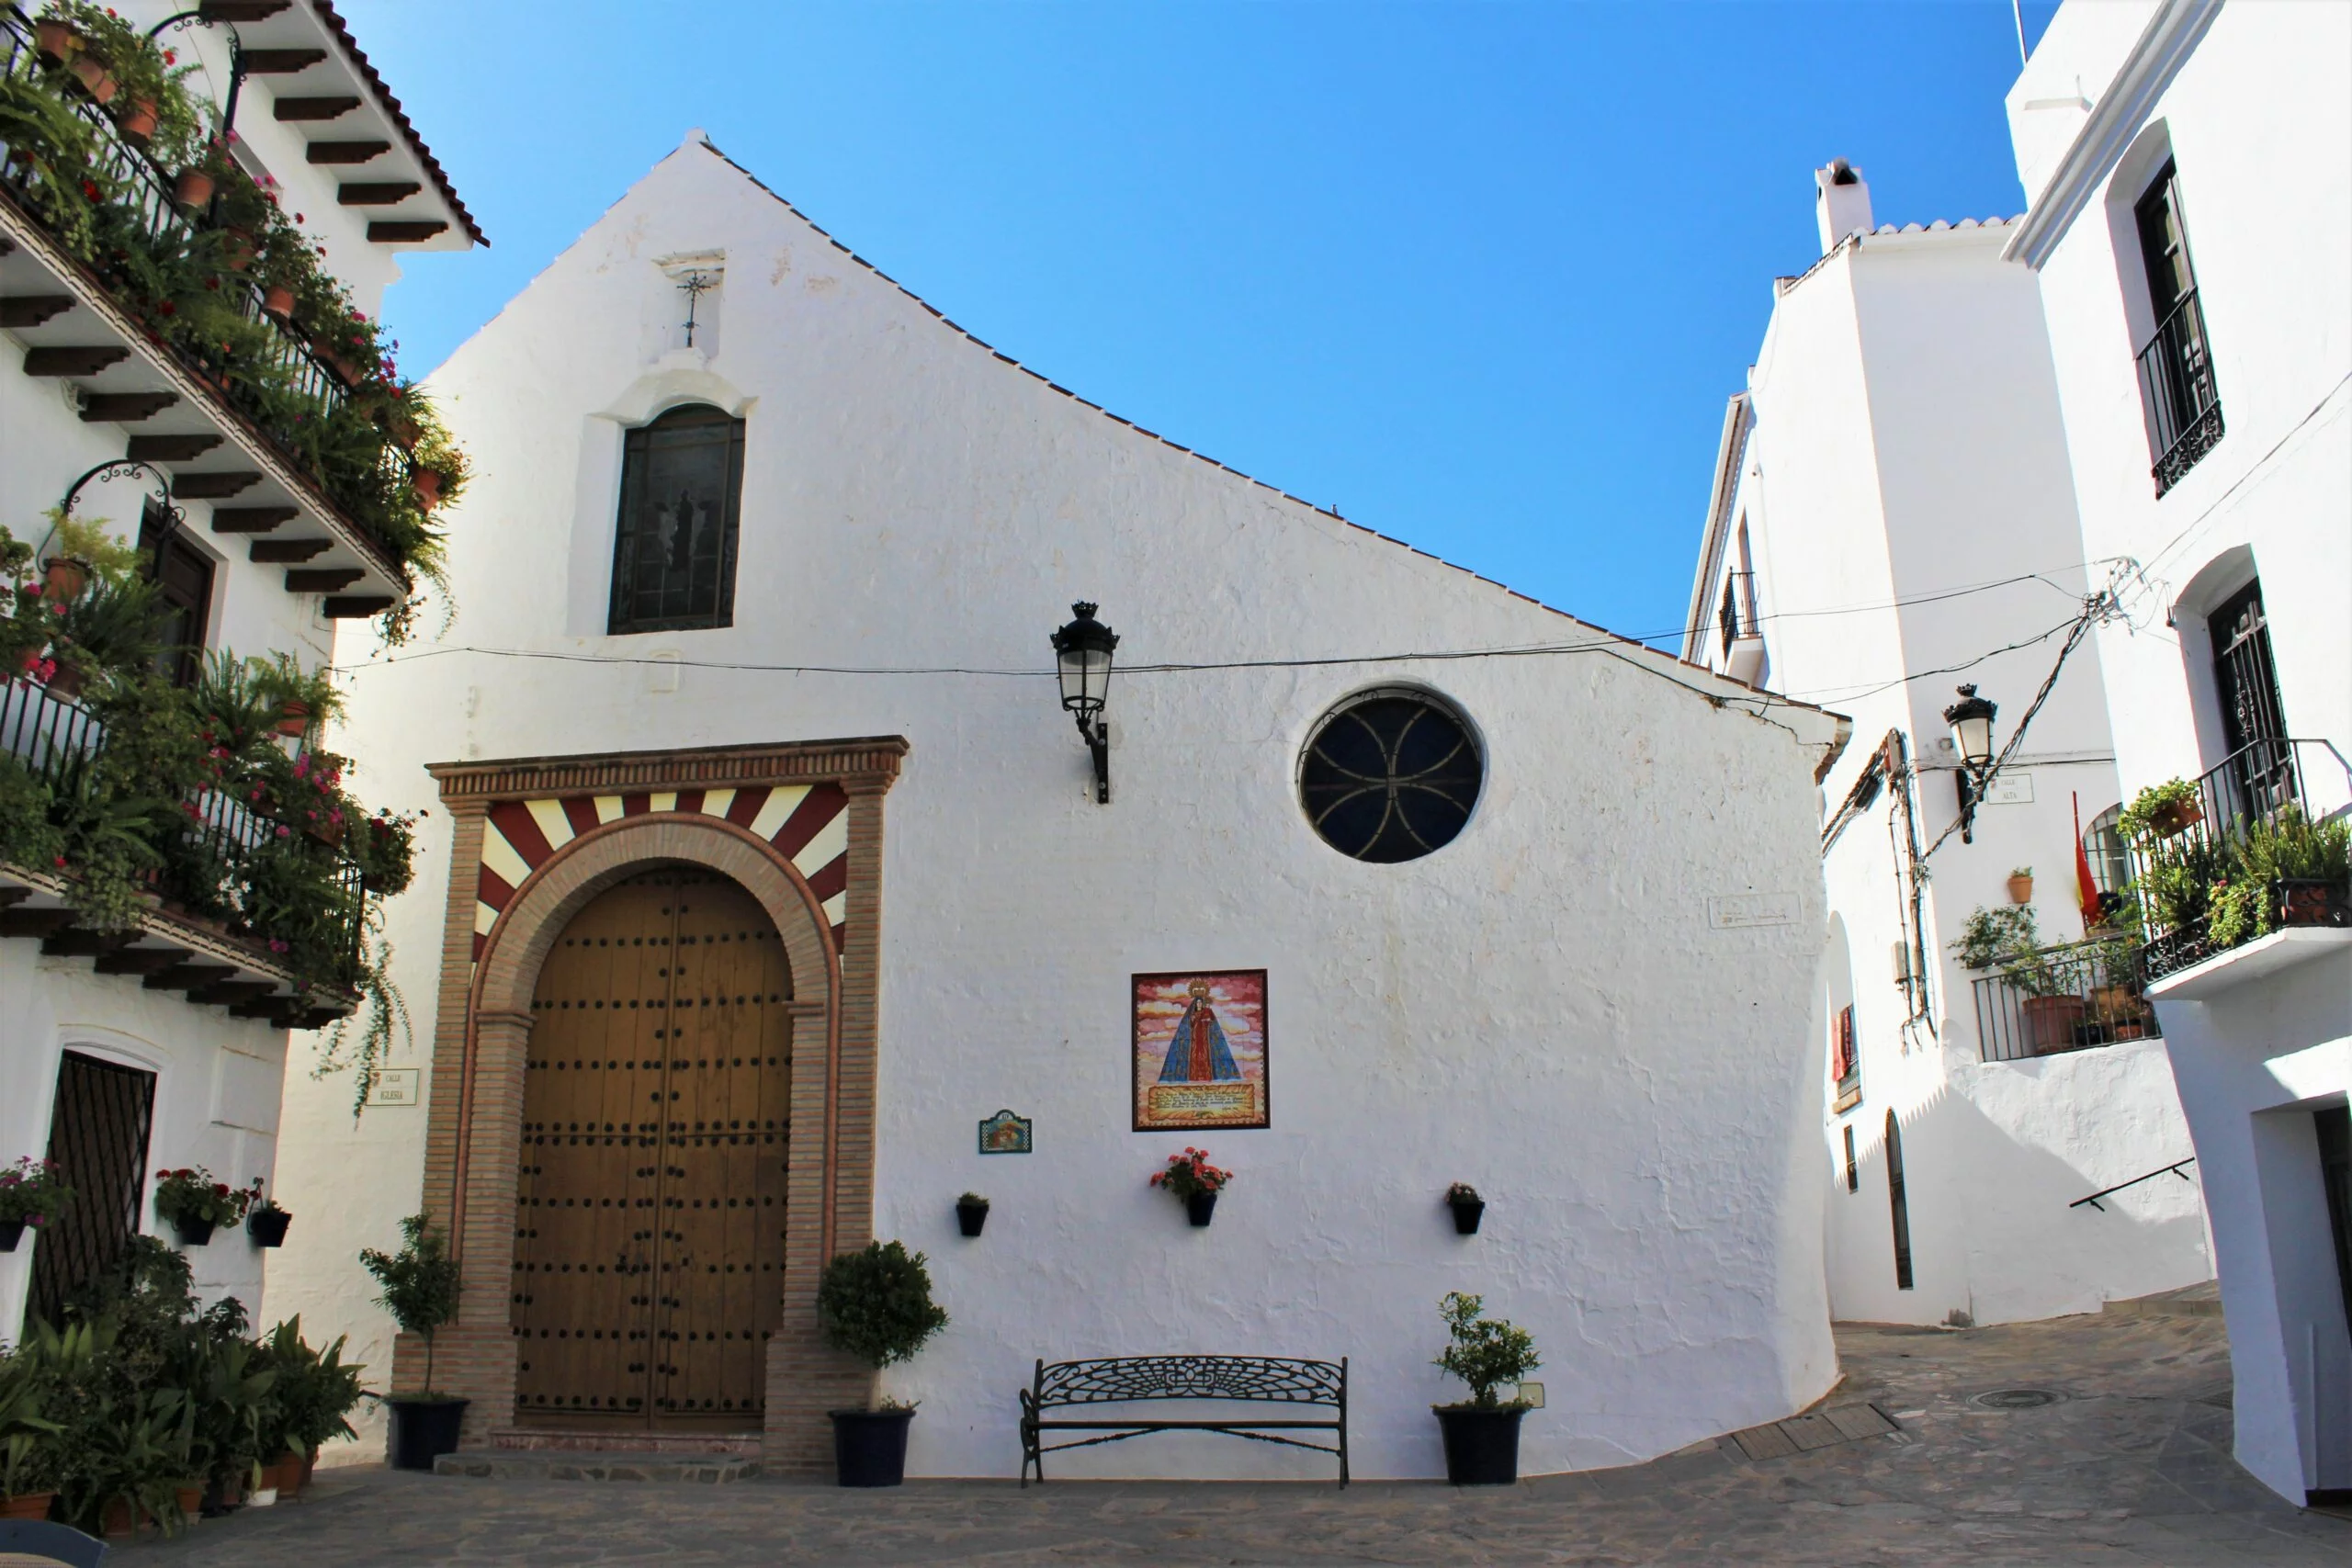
649, 1221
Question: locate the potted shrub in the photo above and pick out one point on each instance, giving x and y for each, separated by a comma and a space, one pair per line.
875, 1304
2021, 885
2161, 810
314, 1394
1467, 1207
28, 1457
264, 1220
1192, 1178
32, 1193
420, 1290
193, 1204
1482, 1433
76, 550
386, 850
439, 467
971, 1212
56, 39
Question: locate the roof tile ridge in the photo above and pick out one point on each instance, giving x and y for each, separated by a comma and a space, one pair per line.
341, 31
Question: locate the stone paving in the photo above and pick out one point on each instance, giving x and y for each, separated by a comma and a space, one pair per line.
2131, 1467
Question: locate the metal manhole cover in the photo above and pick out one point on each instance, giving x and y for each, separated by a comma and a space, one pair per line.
2017, 1398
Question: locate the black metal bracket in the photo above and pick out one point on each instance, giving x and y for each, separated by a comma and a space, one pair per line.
2174, 1168
1097, 735
236, 56
120, 469
1970, 793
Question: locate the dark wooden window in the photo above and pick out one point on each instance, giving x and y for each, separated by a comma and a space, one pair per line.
2254, 721
2176, 363
673, 554
1898, 1201
2164, 244
1853, 1170
184, 574
1390, 776
97, 1135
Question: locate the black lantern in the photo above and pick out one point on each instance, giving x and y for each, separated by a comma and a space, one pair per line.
1971, 730
1082, 658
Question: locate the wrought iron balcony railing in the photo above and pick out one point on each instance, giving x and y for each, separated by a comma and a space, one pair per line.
2068, 998
2252, 786
225, 862
2176, 386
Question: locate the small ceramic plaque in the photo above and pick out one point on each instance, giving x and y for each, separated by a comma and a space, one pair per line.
1005, 1133
396, 1085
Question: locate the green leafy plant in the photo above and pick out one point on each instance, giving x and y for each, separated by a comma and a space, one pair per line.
315, 1391
32, 1192
1486, 1352
2157, 801
875, 1303
189, 1196
363, 1048
418, 1285
28, 1457
1190, 1174
1993, 937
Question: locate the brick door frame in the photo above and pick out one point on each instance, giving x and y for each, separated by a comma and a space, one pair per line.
483, 1022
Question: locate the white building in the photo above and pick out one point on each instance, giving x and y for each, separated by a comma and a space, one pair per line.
166, 1047
836, 514
2189, 166
1891, 500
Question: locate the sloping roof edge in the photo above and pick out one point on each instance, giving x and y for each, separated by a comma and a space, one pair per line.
358, 57
1733, 687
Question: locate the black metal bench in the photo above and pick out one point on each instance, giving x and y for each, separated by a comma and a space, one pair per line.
1256, 1380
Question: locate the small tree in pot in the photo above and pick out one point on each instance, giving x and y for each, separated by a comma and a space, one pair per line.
420, 1290
875, 1304
1482, 1434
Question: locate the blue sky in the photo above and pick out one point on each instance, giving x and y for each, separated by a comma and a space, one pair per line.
1480, 274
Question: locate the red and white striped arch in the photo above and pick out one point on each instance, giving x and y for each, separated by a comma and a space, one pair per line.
809, 824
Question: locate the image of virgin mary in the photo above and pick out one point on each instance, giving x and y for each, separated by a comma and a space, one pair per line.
1198, 1053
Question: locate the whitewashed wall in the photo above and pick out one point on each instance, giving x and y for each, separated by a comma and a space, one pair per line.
1908, 445
1542, 1009
2253, 102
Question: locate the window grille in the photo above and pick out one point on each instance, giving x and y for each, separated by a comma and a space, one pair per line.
1898, 1201
97, 1135
1390, 775
674, 552
2176, 363
1853, 1170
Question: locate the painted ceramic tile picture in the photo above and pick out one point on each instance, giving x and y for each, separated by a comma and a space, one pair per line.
1006, 1133
1199, 1050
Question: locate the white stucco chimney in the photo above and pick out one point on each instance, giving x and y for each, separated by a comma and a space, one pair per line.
1842, 202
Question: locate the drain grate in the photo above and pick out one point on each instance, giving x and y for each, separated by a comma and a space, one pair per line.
2017, 1398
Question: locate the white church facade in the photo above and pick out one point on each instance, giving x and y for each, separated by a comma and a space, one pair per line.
751, 673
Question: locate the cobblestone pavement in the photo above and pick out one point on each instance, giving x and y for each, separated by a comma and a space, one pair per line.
2131, 1467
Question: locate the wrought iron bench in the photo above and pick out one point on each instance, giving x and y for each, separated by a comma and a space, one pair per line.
1255, 1380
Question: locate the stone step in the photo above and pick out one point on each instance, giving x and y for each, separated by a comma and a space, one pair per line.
2201, 1300
515, 1464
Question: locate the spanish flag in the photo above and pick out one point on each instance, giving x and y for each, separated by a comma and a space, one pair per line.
2086, 885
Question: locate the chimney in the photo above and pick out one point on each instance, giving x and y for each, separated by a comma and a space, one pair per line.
1843, 204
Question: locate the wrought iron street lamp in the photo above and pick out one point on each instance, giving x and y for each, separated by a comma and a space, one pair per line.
1082, 658
1971, 731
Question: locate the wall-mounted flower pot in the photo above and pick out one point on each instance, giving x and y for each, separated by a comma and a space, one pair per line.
278, 301
2177, 817
138, 122
870, 1445
57, 42
63, 578
2021, 889
1200, 1207
971, 1217
267, 1226
237, 249
293, 720
96, 79
192, 1233
11, 1232
1481, 1446
192, 189
67, 681
424, 1429
425, 483
1466, 1214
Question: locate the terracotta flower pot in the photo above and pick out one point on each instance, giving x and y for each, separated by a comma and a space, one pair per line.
27, 1505
63, 578
138, 122
119, 1518
67, 681
2177, 818
57, 42
193, 188
190, 1500
2050, 1022
237, 249
293, 719
2021, 889
278, 301
426, 484
96, 79
2308, 901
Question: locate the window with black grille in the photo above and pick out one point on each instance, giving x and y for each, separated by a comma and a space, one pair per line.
674, 555
1390, 775
98, 1136
182, 573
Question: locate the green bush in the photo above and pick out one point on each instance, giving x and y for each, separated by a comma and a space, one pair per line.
1485, 1353
420, 1284
875, 1304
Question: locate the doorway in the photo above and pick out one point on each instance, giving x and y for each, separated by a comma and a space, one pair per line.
98, 1137
650, 1222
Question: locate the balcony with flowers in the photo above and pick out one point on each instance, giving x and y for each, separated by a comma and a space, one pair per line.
143, 263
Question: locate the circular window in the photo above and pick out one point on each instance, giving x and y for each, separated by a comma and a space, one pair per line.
1390, 775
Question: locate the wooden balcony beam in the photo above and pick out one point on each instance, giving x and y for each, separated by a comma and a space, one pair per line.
284, 551
252, 519
356, 606
279, 61
78, 360
214, 486
125, 407
239, 10
344, 152
140, 960
225, 992
309, 111
324, 580
170, 448
185, 977
404, 234
42, 923
379, 192
32, 310
81, 942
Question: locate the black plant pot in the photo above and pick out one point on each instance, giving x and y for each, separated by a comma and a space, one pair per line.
1481, 1446
192, 1233
971, 1217
11, 1232
425, 1430
1200, 1207
1466, 1214
870, 1445
267, 1226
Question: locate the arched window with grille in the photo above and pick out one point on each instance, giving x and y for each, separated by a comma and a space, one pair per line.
673, 550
